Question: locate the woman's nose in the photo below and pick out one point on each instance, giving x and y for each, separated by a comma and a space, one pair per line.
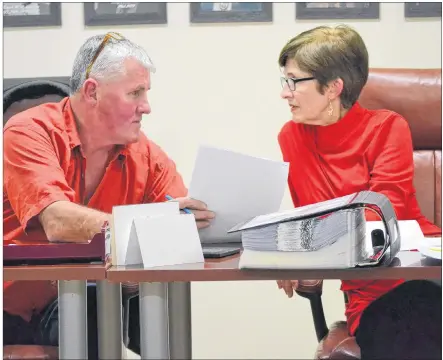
286, 93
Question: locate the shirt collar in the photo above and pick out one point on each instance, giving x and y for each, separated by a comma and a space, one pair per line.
333, 135
71, 128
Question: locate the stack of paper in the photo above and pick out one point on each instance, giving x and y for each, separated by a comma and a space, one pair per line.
333, 241
329, 234
303, 235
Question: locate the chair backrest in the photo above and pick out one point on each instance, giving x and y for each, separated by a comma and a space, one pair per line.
416, 95
31, 93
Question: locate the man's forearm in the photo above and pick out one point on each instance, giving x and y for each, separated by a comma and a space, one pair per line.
66, 221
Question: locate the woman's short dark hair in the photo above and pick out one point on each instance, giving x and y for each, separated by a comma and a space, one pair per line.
329, 53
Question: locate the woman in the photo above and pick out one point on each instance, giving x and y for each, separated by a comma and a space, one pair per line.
335, 147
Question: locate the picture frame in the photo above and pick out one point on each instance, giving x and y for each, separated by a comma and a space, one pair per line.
31, 14
338, 10
102, 14
422, 9
230, 12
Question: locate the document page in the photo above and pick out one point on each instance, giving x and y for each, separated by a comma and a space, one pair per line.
410, 232
236, 187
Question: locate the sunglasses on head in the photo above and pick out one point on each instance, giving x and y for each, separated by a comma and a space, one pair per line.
108, 36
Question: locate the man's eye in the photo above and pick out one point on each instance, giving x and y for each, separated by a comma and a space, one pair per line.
136, 92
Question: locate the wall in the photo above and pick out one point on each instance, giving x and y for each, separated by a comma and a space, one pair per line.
219, 85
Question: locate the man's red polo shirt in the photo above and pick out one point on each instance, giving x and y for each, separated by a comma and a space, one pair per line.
43, 163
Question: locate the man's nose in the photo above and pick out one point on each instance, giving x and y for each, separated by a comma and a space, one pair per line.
145, 108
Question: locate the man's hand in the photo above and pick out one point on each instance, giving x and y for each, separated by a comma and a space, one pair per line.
288, 286
199, 209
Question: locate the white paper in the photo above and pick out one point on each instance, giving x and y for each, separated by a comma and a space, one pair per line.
133, 254
431, 247
410, 233
168, 240
123, 218
236, 187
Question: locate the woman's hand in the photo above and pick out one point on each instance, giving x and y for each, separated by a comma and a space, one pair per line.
288, 286
305, 286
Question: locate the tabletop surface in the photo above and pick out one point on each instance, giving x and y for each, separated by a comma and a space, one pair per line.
55, 272
407, 265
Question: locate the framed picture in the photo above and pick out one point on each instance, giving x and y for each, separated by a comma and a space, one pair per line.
119, 13
337, 10
423, 9
31, 14
230, 12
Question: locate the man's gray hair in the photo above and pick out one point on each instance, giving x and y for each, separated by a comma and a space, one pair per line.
109, 62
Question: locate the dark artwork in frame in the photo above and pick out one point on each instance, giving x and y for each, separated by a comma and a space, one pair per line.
422, 9
31, 14
207, 12
337, 10
117, 13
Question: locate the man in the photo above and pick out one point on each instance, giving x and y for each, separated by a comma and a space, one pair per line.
67, 164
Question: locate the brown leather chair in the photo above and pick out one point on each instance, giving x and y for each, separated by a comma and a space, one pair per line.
416, 95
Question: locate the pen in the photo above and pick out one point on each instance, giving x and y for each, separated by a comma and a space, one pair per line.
187, 211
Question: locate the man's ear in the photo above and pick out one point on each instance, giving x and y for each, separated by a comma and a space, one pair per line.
335, 88
89, 90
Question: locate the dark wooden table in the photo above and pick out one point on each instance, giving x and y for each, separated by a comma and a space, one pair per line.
407, 265
54, 272
165, 296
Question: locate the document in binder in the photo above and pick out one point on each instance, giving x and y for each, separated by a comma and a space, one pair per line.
329, 234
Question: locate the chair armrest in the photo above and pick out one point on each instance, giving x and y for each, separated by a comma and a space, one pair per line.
348, 349
129, 290
310, 286
312, 290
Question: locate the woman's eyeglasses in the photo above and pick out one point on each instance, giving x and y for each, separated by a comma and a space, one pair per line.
110, 35
291, 82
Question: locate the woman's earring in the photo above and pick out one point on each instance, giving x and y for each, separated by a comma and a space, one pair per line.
330, 110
